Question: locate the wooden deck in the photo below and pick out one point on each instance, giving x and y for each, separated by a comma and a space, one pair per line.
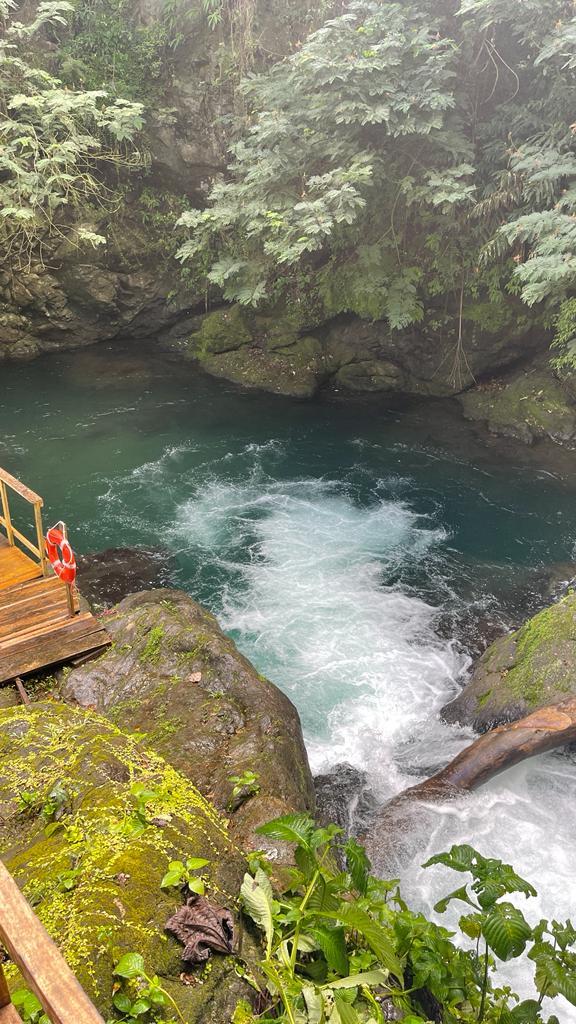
15, 566
40, 619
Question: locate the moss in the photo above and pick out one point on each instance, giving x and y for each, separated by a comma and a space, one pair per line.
117, 903
222, 331
484, 697
558, 622
528, 406
153, 647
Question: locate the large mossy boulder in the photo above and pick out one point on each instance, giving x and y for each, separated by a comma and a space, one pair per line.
172, 674
530, 405
521, 672
270, 352
89, 819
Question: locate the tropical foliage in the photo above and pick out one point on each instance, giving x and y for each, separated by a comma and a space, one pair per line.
340, 945
408, 160
54, 141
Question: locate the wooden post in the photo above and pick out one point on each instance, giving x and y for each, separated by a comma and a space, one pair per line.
40, 536
6, 513
40, 962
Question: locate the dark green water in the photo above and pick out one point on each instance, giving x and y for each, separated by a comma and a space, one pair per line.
342, 543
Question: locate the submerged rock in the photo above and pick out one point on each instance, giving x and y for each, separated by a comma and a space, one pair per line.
109, 576
92, 869
174, 675
532, 667
344, 798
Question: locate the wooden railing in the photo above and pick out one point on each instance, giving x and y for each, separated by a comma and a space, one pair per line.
44, 970
12, 534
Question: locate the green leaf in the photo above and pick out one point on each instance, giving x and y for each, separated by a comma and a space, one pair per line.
257, 903
375, 935
506, 931
196, 885
358, 865
171, 878
332, 942
290, 828
314, 1004
131, 965
457, 894
193, 863
122, 1002
140, 1007
345, 1011
366, 978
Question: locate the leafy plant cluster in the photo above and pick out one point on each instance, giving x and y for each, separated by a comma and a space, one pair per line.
341, 945
422, 153
54, 141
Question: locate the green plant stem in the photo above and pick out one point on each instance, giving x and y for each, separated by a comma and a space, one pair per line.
168, 997
484, 987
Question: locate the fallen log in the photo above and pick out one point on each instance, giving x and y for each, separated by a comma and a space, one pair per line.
494, 752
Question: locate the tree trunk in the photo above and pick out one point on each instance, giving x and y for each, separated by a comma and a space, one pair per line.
494, 752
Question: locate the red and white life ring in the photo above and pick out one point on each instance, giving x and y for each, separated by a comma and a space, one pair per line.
60, 554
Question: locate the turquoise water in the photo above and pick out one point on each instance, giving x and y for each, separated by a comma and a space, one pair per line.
344, 544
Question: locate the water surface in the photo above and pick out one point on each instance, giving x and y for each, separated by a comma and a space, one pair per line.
356, 552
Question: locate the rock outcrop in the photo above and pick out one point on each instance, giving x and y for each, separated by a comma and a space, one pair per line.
531, 404
521, 672
172, 674
89, 820
298, 352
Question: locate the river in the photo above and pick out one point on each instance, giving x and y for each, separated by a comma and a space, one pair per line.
357, 551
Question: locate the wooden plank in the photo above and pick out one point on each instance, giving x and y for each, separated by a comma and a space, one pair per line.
16, 567
40, 962
72, 627
19, 487
50, 648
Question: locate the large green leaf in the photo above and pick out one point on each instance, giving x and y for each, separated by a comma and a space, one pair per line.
131, 965
375, 935
290, 828
553, 978
366, 978
258, 904
333, 944
358, 865
345, 1011
506, 931
314, 1004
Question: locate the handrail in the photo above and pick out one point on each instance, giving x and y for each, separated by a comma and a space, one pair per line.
12, 534
20, 488
40, 962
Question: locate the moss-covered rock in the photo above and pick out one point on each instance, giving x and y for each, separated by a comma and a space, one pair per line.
518, 673
529, 405
268, 352
94, 877
224, 330
174, 675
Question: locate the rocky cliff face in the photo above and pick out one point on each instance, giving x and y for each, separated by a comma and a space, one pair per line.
185, 73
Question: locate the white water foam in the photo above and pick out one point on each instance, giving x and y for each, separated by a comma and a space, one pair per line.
359, 657
310, 600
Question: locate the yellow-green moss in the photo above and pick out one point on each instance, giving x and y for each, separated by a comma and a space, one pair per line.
117, 903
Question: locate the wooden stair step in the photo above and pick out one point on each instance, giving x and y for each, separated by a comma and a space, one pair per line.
51, 646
